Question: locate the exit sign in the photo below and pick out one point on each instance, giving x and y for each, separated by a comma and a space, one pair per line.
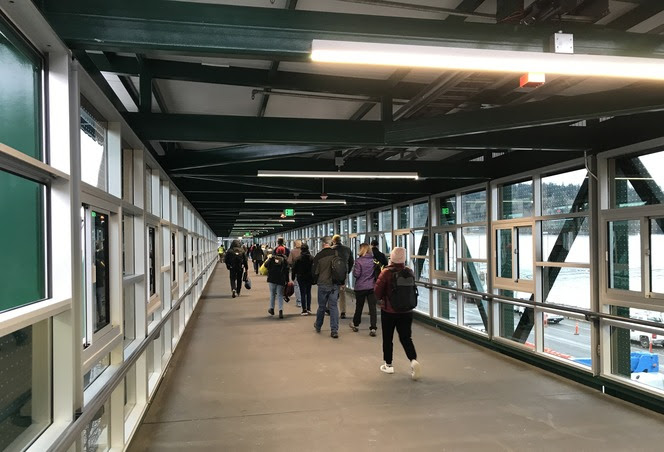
289, 212
445, 210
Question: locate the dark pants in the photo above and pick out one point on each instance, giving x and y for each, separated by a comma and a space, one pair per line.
360, 296
236, 279
305, 293
257, 265
403, 323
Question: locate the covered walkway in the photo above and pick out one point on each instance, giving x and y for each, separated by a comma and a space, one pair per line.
241, 380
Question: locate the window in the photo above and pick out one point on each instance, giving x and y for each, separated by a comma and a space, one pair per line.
657, 255
566, 240
639, 180
96, 272
565, 193
516, 200
128, 175
93, 146
445, 251
474, 242
129, 318
385, 220
374, 223
421, 215
20, 94
473, 207
184, 251
403, 217
148, 189
22, 225
173, 262
152, 262
127, 245
96, 435
447, 211
362, 223
625, 255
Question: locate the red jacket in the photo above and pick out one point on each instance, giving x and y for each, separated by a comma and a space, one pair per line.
383, 287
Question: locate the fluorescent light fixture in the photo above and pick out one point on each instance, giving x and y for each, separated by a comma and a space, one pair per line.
258, 225
338, 174
275, 213
486, 59
294, 201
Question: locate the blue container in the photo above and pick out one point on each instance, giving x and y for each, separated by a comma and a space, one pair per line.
644, 362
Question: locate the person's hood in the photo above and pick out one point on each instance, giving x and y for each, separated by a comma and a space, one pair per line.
236, 244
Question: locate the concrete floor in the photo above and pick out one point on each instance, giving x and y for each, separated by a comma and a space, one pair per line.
242, 380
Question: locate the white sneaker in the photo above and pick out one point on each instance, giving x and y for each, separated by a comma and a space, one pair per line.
298, 305
387, 369
304, 313
415, 369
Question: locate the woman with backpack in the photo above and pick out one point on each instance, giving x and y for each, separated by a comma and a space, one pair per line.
364, 288
277, 278
302, 273
395, 288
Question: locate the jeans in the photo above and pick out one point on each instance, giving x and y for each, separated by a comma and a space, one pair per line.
403, 323
276, 290
305, 295
236, 279
296, 287
327, 298
360, 296
342, 299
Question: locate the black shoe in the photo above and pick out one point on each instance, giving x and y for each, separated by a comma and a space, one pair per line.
343, 315
334, 335
281, 314
353, 327
270, 311
316, 328
234, 294
286, 299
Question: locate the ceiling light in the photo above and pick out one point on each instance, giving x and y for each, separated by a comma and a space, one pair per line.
294, 201
275, 213
338, 174
485, 59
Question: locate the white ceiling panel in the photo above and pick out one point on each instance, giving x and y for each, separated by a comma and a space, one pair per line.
120, 91
644, 27
208, 99
296, 107
616, 9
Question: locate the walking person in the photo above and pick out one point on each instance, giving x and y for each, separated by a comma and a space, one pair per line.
277, 277
391, 318
364, 289
345, 254
302, 273
220, 252
378, 255
236, 263
257, 257
294, 254
328, 287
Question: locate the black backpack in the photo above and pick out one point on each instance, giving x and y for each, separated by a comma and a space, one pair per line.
339, 269
237, 260
404, 291
377, 268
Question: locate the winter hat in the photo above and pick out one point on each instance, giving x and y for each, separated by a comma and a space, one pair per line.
280, 250
398, 255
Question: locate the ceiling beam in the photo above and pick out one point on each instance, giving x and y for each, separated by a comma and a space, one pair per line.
275, 34
551, 111
645, 10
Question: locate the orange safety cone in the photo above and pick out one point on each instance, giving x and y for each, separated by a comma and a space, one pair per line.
576, 329
650, 346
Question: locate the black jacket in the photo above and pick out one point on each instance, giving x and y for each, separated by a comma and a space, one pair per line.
277, 269
302, 268
379, 256
257, 254
322, 268
235, 259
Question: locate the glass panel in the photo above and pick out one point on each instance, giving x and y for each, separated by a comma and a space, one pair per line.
421, 243
353, 225
403, 216
421, 269
173, 273
445, 306
565, 193
93, 150
516, 200
374, 224
447, 211
514, 326
421, 215
385, 220
631, 358
96, 371
657, 255
130, 391
152, 262
185, 258
639, 180
362, 223
625, 255
344, 227
524, 236
568, 339
474, 276
23, 256
127, 245
475, 313
19, 408
96, 435
566, 240
473, 207
566, 286
474, 242
100, 266
504, 253
423, 300
20, 95
451, 251
440, 252
129, 318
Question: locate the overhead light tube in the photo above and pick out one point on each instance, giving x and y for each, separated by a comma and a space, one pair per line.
338, 174
436, 57
294, 201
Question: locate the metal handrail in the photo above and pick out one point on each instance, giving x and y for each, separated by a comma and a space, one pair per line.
589, 315
73, 430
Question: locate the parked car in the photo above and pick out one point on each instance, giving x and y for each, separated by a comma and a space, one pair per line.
642, 337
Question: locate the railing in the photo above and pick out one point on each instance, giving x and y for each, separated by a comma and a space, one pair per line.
74, 430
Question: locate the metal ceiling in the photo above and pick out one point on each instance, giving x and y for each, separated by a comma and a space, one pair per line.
220, 89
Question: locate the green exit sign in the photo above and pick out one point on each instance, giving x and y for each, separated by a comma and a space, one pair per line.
445, 210
247, 234
289, 212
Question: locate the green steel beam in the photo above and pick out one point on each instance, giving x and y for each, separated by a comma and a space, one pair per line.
196, 28
620, 102
257, 78
237, 129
